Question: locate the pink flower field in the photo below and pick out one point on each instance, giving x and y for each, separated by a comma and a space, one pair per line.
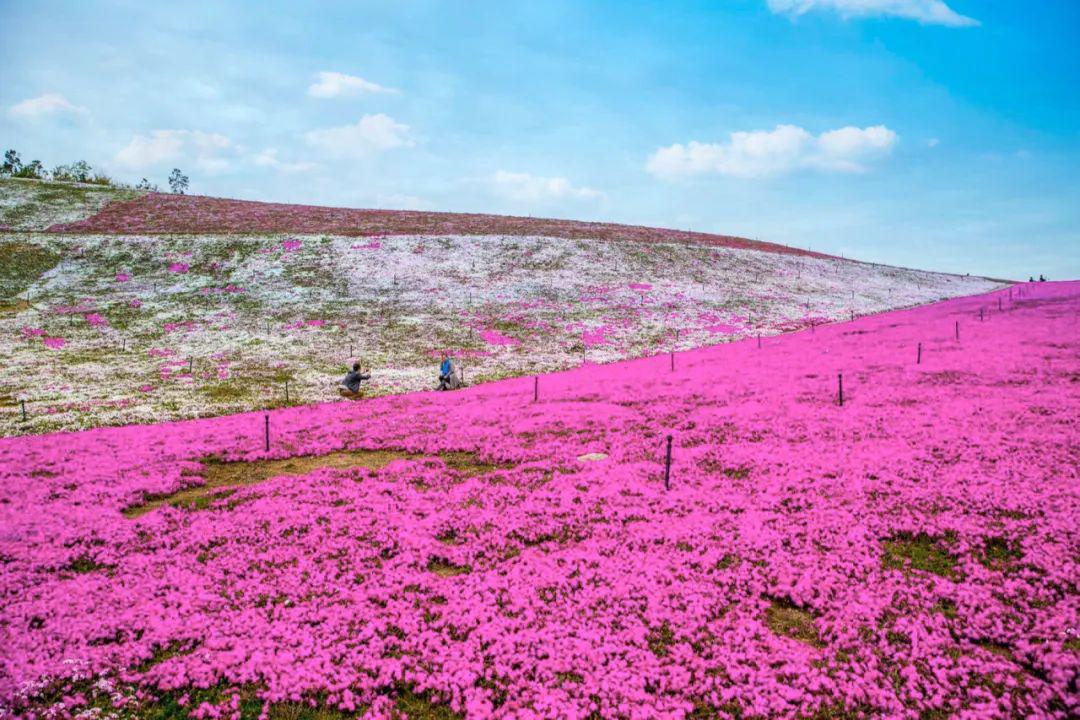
909, 552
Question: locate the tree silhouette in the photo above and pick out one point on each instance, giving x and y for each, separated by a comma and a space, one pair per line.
178, 181
12, 163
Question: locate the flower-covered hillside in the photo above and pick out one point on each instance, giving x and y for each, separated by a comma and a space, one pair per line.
156, 213
511, 550
37, 204
102, 329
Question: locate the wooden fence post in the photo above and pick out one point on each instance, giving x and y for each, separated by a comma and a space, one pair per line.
667, 466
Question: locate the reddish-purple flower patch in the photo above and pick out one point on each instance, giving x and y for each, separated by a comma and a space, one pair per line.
167, 213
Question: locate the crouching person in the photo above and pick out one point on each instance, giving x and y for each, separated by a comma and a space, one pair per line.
350, 386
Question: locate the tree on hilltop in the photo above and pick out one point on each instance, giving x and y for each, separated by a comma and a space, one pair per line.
178, 181
33, 170
12, 163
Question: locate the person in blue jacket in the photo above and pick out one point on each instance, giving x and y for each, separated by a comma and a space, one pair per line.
446, 371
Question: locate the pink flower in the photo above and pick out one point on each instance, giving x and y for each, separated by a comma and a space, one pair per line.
122, 277
595, 337
54, 343
494, 337
178, 267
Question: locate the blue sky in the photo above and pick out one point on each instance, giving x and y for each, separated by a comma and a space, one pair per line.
943, 135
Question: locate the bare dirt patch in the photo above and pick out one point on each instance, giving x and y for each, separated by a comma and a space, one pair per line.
222, 478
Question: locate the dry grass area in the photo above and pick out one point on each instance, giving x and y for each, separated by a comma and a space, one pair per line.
785, 618
221, 477
13, 307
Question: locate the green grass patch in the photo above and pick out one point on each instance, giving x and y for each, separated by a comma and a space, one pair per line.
21, 264
444, 568
923, 552
999, 553
227, 391
421, 707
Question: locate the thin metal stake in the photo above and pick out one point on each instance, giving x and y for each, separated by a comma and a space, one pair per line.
667, 466
957, 329
918, 357
672, 362
286, 391
536, 388
267, 432
23, 403
840, 386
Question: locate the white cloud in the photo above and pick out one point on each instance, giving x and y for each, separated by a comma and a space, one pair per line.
335, 84
269, 158
927, 12
933, 142
47, 104
845, 149
371, 134
524, 187
762, 153
211, 152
